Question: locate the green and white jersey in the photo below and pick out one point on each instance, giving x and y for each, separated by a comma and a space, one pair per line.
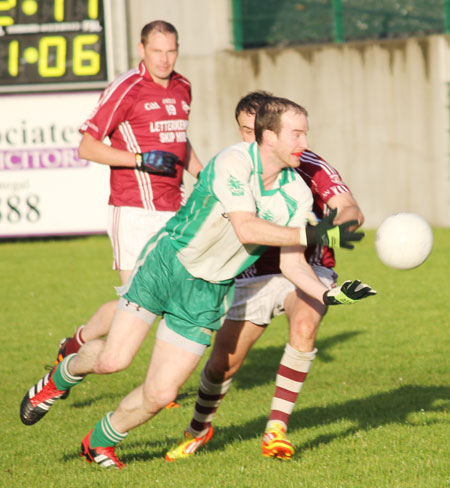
201, 232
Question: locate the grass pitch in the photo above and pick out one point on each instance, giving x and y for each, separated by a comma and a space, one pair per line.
372, 413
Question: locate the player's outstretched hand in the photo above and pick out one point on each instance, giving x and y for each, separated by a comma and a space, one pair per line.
328, 234
157, 162
349, 292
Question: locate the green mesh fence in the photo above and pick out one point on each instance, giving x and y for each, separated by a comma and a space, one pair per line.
259, 23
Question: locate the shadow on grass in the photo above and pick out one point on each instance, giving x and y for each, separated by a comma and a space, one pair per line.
324, 345
265, 361
391, 407
87, 402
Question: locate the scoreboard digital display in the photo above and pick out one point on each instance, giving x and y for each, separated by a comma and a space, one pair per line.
52, 45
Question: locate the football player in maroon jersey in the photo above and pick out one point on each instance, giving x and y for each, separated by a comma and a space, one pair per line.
144, 114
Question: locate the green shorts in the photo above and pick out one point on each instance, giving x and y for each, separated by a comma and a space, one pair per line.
192, 307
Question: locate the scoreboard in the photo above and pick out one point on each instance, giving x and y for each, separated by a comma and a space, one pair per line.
53, 45
55, 59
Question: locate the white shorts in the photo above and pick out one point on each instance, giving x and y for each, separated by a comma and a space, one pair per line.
129, 229
261, 298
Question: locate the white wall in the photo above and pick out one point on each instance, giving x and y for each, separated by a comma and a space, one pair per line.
378, 110
204, 26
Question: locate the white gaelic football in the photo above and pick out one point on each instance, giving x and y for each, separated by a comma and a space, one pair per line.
404, 240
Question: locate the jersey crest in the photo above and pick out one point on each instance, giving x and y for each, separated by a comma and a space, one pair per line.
236, 186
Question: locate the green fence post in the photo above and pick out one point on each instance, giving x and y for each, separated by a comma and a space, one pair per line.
447, 16
338, 26
238, 25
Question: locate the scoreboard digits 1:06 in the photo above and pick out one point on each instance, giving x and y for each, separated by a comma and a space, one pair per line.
52, 45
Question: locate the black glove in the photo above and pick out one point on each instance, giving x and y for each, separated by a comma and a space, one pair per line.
349, 292
326, 233
157, 162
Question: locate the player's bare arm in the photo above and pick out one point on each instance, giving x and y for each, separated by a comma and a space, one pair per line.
296, 269
99, 152
251, 229
347, 208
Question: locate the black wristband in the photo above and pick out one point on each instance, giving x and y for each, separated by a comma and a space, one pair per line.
310, 235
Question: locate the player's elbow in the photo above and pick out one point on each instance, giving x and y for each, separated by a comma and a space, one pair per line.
293, 263
245, 237
286, 269
242, 232
82, 150
244, 227
286, 273
85, 147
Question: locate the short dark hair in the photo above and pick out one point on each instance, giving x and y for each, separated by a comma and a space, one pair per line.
159, 26
251, 102
268, 115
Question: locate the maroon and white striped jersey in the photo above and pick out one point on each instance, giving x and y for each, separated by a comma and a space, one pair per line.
139, 115
324, 182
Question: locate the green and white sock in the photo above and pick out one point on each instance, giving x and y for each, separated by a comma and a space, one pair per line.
104, 434
62, 378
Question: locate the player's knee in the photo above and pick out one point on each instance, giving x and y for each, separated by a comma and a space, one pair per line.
155, 399
217, 369
303, 326
109, 308
108, 363
214, 375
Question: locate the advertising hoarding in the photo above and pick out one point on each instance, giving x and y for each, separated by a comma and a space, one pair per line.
45, 189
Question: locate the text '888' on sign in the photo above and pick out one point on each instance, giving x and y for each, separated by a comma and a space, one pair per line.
52, 45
